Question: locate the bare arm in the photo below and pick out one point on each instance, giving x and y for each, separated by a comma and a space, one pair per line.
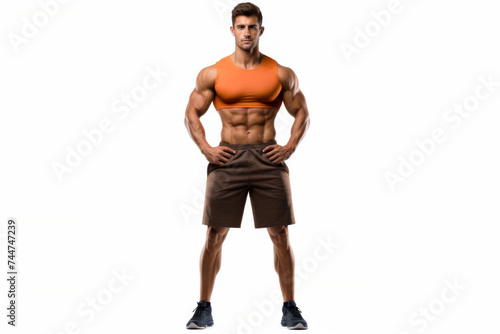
198, 104
295, 104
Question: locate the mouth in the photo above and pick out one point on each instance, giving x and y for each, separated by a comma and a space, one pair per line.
247, 41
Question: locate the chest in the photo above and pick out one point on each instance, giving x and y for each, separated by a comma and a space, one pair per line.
239, 85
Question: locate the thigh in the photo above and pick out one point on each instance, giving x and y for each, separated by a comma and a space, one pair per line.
225, 198
271, 199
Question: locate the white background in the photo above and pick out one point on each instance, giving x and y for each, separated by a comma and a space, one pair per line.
134, 203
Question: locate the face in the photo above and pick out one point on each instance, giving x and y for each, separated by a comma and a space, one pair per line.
246, 32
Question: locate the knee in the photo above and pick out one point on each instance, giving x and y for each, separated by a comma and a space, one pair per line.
215, 237
279, 236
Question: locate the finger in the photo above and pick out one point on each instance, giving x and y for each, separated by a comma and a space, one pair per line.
273, 157
272, 152
225, 154
228, 149
276, 160
270, 147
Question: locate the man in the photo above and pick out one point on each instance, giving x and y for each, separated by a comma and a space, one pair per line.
247, 89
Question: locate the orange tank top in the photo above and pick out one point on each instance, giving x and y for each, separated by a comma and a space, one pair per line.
236, 87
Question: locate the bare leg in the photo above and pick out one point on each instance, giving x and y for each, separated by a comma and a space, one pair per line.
210, 260
284, 260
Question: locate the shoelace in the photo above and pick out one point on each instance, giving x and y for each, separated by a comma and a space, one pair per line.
198, 309
293, 310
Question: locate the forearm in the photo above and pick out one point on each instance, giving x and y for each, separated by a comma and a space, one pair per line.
299, 129
196, 131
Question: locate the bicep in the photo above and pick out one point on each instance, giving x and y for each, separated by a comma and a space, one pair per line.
292, 96
202, 95
199, 101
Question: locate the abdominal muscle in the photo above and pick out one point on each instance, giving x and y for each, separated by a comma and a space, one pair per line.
247, 125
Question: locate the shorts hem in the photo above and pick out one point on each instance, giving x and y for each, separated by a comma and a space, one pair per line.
216, 225
275, 225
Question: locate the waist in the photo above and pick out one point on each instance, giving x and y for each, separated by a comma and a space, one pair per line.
249, 146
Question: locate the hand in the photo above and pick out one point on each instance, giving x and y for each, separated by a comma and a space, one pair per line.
218, 155
277, 153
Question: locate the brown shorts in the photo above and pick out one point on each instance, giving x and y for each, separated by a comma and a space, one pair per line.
249, 170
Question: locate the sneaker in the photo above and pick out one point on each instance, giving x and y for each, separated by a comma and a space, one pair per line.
291, 316
202, 317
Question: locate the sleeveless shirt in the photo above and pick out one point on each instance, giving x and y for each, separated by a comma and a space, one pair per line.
236, 87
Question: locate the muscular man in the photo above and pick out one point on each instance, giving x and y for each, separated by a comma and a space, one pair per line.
247, 89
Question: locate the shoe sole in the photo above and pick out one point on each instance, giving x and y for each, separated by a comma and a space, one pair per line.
192, 325
297, 326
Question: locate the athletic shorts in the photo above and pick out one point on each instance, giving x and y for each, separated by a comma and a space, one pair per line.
248, 171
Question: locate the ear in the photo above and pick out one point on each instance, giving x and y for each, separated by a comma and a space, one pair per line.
232, 30
261, 30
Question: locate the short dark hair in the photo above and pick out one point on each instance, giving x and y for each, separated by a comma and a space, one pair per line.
247, 9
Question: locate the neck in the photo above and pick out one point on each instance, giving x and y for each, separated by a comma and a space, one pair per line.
247, 59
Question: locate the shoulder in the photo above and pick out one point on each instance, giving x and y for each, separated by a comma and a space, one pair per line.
206, 77
288, 78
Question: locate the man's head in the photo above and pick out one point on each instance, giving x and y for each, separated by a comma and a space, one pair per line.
247, 9
247, 25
